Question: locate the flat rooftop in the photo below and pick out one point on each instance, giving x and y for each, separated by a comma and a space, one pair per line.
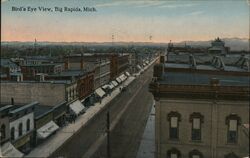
186, 78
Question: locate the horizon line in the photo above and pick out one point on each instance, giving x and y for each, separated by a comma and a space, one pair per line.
242, 38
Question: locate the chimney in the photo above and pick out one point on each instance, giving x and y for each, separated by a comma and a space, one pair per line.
12, 101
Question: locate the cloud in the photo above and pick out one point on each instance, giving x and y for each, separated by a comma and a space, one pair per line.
145, 3
178, 5
2, 1
195, 13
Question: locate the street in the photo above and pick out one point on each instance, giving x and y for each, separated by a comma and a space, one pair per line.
128, 115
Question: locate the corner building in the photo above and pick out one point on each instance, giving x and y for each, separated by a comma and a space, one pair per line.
200, 110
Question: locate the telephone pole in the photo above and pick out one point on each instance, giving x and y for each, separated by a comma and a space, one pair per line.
108, 136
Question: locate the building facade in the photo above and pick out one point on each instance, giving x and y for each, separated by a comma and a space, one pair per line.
200, 110
119, 63
100, 64
22, 126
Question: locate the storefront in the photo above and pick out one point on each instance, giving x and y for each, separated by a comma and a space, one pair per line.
59, 114
23, 144
89, 100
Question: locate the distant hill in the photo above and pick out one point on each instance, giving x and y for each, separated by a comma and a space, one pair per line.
236, 44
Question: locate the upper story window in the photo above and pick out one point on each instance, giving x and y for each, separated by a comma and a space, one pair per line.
232, 121
174, 118
12, 133
173, 153
3, 131
196, 120
195, 154
20, 129
28, 125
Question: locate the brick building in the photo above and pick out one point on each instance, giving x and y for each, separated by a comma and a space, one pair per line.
100, 64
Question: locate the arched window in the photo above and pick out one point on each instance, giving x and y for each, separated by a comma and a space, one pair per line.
20, 129
12, 133
3, 130
196, 119
173, 153
231, 155
28, 125
174, 118
232, 121
195, 154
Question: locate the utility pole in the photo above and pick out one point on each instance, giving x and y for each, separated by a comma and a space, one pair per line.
108, 136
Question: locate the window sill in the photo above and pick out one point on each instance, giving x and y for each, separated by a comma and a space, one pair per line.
232, 143
174, 139
196, 141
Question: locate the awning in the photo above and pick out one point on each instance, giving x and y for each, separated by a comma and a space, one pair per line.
121, 78
124, 76
111, 86
127, 73
47, 130
139, 67
100, 92
114, 83
105, 86
8, 150
77, 107
118, 80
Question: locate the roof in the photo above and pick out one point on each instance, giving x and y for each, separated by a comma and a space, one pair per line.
71, 73
41, 110
5, 107
43, 64
21, 108
207, 62
186, 78
7, 63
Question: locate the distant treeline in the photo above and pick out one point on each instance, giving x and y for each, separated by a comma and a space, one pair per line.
8, 51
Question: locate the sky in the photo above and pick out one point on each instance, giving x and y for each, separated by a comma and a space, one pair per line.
128, 20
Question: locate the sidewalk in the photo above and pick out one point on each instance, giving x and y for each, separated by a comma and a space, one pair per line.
53, 143
62, 135
147, 145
